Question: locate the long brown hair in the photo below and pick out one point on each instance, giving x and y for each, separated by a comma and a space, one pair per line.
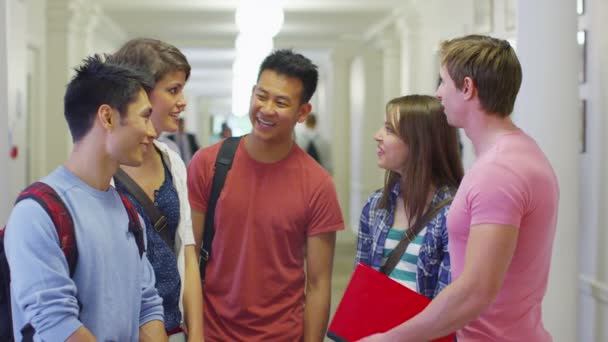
434, 154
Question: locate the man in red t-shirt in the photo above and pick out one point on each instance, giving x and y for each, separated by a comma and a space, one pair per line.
278, 207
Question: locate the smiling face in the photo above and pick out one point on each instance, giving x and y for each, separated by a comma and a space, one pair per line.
275, 107
168, 101
133, 133
392, 150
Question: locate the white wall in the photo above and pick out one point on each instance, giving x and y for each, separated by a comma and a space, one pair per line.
16, 95
36, 73
593, 265
106, 36
4, 149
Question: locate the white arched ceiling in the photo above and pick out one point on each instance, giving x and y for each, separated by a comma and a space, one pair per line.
205, 30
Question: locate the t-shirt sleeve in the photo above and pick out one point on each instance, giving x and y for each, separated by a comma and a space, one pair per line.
151, 303
497, 196
199, 180
325, 213
41, 286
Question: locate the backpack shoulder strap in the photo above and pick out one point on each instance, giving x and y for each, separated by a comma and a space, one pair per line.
159, 220
223, 163
134, 224
52, 203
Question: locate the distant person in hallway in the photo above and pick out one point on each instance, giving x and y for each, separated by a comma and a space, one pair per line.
501, 225
311, 141
419, 151
269, 274
111, 295
226, 131
161, 182
186, 142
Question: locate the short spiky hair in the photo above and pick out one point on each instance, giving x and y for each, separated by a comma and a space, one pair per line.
98, 82
492, 65
287, 62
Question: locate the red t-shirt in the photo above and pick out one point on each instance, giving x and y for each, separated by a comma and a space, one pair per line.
254, 287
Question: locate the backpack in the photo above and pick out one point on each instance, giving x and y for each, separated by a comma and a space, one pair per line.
50, 201
312, 151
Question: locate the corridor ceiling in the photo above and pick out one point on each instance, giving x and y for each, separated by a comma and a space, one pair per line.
205, 30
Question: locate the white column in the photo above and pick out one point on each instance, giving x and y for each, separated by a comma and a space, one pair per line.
190, 115
547, 108
357, 113
68, 27
593, 319
390, 43
372, 177
420, 41
4, 148
408, 36
339, 109
204, 128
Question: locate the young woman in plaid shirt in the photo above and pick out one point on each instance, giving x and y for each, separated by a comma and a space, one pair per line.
420, 154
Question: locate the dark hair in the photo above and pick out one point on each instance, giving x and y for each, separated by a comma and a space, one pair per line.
311, 120
289, 63
434, 157
152, 56
492, 65
98, 82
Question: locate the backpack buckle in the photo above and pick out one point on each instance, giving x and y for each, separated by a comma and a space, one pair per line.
160, 224
204, 255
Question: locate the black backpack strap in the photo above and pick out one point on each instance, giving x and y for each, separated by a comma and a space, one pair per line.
158, 219
6, 325
223, 163
134, 224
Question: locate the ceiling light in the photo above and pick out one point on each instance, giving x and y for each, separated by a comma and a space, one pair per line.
259, 17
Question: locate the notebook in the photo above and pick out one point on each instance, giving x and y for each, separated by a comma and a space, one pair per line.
374, 303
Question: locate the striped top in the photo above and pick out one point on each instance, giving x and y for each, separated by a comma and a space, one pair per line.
406, 269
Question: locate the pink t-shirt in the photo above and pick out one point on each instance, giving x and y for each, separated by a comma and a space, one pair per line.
512, 183
255, 281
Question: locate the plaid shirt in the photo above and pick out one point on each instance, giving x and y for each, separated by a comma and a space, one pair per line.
433, 260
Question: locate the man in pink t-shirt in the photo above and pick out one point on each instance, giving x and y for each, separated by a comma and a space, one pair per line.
501, 225
269, 274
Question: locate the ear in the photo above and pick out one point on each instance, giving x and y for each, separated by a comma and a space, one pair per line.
105, 115
469, 89
303, 111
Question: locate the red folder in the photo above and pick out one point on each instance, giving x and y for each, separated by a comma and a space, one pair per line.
374, 303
